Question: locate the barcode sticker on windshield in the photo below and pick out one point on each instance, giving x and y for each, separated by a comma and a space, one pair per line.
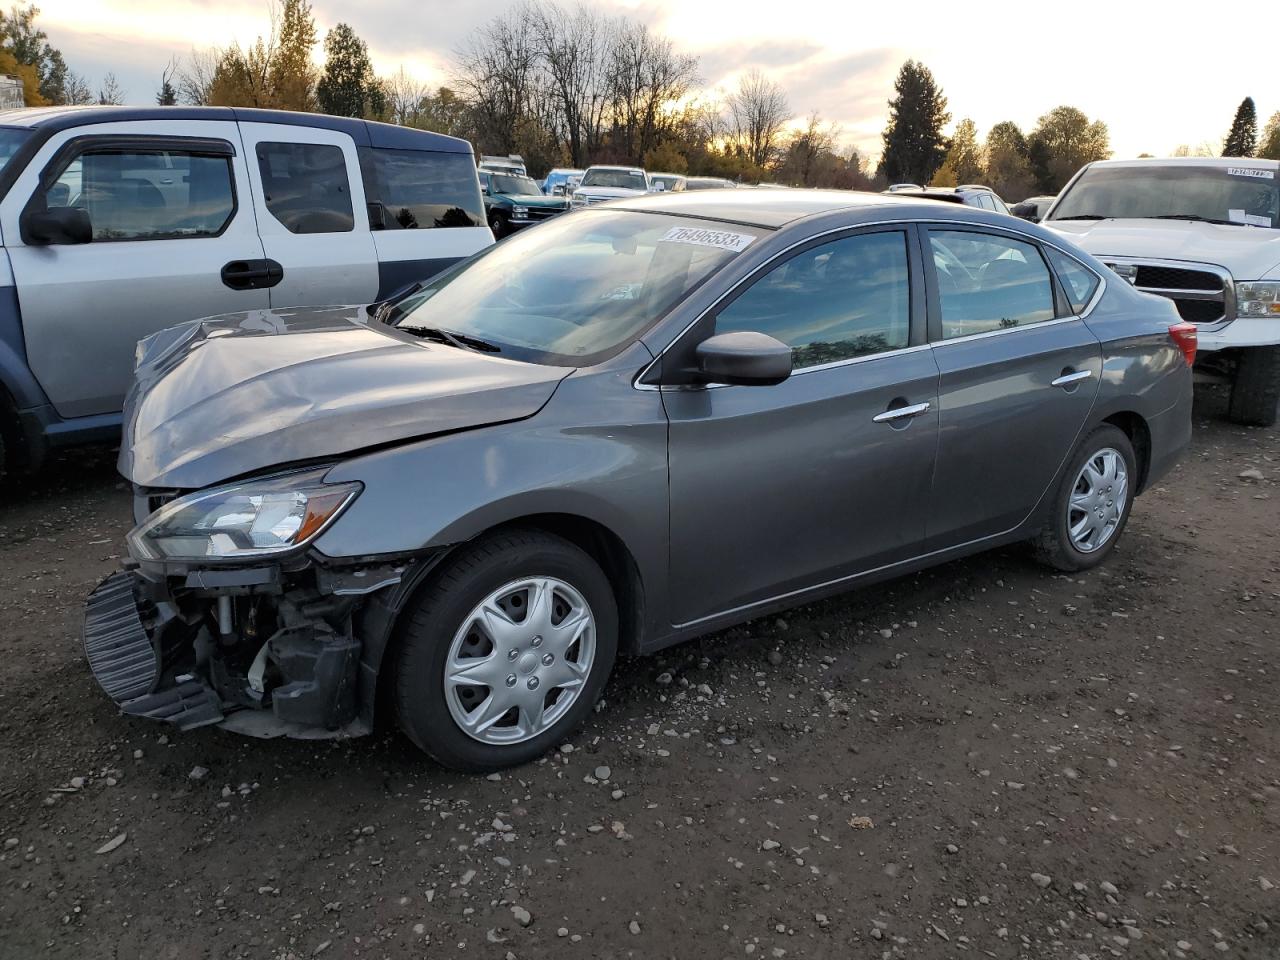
1252, 172
722, 239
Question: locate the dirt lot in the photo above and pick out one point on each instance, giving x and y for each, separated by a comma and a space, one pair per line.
984, 760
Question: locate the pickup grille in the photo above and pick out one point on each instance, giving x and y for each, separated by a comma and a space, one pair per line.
1202, 294
544, 213
589, 199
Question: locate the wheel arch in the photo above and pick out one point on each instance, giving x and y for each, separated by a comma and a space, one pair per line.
593, 537
1134, 426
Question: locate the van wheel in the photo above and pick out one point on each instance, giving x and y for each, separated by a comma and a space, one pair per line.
507, 651
1092, 503
1255, 392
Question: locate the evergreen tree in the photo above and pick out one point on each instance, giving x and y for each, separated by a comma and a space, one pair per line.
1242, 141
914, 146
167, 95
348, 87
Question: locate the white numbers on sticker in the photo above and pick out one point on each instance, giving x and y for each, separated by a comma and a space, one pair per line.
721, 239
1252, 172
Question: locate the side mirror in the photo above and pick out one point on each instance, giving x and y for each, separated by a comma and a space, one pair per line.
59, 225
745, 358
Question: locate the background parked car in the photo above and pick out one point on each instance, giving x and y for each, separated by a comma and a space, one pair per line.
120, 221
972, 195
512, 202
585, 491
512, 163
1204, 232
709, 183
667, 182
601, 183
561, 181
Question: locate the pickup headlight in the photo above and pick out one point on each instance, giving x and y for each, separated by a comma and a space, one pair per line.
519, 211
243, 521
1258, 298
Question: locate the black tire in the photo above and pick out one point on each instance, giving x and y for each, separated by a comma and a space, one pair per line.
1255, 392
449, 598
1053, 545
497, 225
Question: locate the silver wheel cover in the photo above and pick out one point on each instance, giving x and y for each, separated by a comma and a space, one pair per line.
520, 660
1098, 500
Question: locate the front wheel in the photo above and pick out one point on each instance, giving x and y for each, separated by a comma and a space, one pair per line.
1092, 503
497, 226
508, 650
1255, 391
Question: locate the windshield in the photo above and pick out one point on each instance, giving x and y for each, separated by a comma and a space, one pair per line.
1246, 194
514, 186
578, 288
11, 139
628, 179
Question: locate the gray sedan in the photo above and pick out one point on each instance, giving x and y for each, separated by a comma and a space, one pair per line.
637, 424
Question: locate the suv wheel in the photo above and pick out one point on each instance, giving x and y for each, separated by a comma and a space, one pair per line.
496, 225
507, 651
1092, 503
1255, 391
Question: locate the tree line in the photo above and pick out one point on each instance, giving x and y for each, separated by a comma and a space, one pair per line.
574, 86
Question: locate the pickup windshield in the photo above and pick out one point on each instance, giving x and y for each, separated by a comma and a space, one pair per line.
627, 179
1245, 195
575, 290
514, 186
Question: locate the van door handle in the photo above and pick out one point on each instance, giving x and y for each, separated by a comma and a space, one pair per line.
899, 413
252, 274
1067, 379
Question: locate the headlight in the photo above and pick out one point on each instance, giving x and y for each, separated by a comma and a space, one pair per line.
243, 521
519, 211
1258, 298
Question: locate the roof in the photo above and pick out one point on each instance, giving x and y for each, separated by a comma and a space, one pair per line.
1218, 162
951, 194
615, 166
763, 208
366, 133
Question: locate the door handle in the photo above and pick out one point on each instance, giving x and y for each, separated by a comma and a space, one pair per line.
899, 413
252, 274
1067, 379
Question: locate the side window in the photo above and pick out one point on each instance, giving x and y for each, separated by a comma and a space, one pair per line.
421, 189
847, 298
989, 283
305, 186
147, 195
1078, 281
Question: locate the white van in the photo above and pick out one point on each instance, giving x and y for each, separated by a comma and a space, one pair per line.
116, 222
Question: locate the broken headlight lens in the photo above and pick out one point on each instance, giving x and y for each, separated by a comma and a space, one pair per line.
243, 521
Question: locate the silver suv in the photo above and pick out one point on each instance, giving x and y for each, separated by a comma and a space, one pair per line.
118, 221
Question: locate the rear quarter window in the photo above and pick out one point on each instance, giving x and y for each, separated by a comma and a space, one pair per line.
1078, 281
421, 189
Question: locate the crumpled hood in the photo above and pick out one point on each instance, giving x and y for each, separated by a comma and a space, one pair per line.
245, 392
1248, 253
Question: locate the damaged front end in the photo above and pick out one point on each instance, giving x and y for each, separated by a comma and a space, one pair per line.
257, 632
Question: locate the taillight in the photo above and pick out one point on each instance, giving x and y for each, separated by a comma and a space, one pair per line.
1185, 336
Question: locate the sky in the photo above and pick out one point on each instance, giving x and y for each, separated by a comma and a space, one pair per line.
1131, 64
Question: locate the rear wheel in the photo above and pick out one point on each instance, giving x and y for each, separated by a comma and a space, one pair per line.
507, 651
1092, 503
1255, 391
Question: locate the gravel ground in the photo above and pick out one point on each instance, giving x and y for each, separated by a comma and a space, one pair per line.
985, 759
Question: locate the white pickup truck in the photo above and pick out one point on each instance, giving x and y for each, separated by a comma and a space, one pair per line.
1204, 232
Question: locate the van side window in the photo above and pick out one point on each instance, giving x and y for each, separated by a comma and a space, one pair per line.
306, 187
147, 195
421, 189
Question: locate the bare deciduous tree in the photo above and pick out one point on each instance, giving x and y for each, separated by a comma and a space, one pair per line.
194, 77
497, 74
758, 110
574, 48
110, 92
646, 77
406, 97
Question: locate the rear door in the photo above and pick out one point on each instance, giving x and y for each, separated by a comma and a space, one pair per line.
311, 212
1018, 376
168, 203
